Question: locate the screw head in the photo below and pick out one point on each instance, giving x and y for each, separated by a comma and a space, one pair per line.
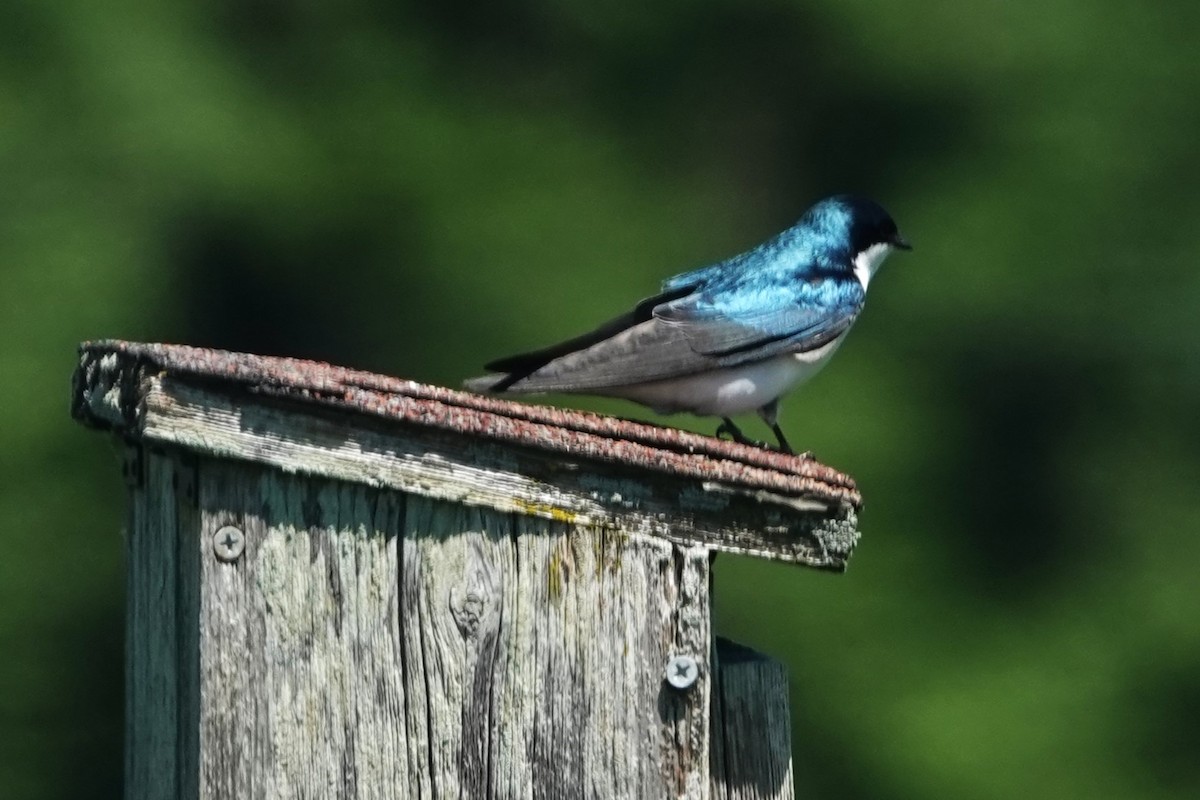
682, 671
228, 543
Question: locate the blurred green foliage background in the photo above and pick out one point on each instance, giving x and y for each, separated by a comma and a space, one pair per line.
415, 188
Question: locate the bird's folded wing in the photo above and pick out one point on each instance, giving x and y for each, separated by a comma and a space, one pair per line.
746, 325
694, 334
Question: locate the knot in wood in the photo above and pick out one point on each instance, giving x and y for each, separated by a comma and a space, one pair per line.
468, 610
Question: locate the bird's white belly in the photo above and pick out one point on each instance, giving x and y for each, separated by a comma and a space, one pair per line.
732, 390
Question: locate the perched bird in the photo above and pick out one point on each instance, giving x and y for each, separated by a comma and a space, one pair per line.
731, 337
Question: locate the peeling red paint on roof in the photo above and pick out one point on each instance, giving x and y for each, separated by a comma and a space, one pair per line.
575, 434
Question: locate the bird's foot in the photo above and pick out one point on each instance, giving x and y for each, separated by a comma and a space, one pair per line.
784, 447
735, 434
727, 428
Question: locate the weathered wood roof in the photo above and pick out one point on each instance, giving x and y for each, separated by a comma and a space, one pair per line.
140, 390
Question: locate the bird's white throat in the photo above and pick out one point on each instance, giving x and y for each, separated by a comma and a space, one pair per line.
866, 262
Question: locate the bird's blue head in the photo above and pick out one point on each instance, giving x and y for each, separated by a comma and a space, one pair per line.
855, 228
857, 223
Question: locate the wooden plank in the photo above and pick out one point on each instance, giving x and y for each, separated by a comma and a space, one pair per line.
752, 739
107, 392
300, 667
500, 477
151, 625
514, 657
538, 667
189, 549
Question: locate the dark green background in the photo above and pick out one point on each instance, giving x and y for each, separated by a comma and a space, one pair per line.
416, 188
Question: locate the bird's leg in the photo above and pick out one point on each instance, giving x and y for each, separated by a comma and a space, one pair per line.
770, 415
784, 447
735, 433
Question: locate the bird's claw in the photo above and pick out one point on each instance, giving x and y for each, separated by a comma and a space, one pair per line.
735, 434
727, 428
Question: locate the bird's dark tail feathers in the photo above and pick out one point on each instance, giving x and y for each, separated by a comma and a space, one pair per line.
487, 384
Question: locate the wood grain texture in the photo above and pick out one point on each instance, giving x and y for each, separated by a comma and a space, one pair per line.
151, 680
499, 477
107, 394
752, 742
301, 668
161, 697
371, 644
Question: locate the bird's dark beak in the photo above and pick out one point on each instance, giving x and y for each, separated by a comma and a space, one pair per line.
900, 243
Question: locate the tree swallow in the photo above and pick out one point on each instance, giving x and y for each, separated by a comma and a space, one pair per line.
731, 337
